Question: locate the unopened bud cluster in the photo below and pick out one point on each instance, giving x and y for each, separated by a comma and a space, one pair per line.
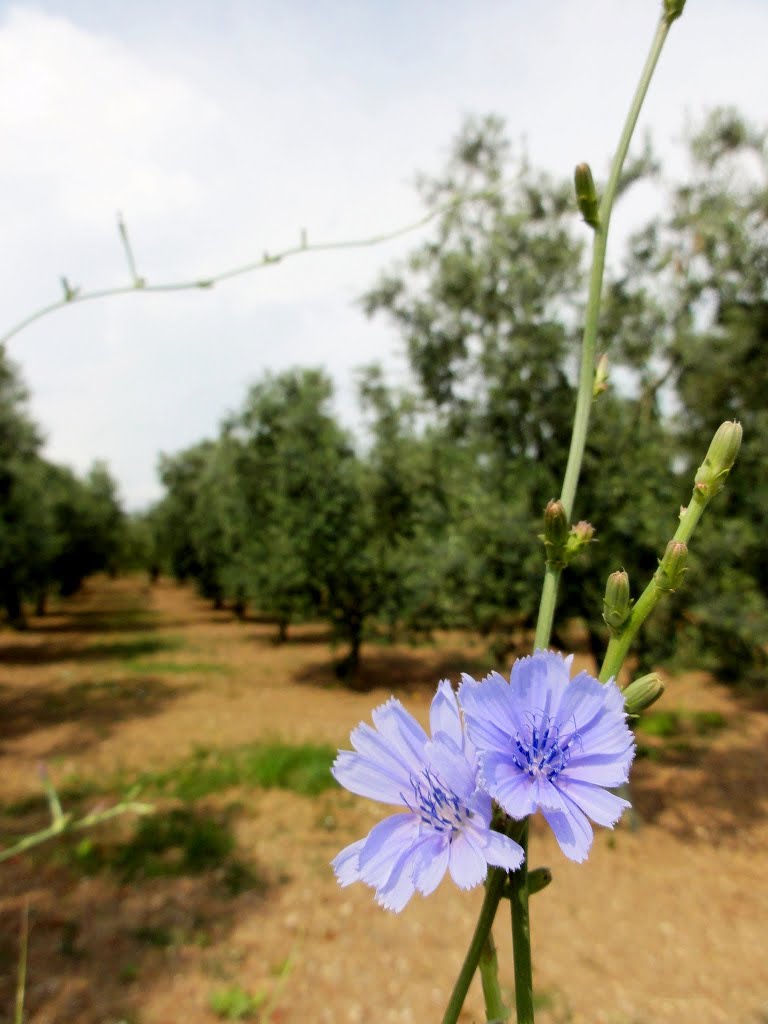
561, 542
718, 462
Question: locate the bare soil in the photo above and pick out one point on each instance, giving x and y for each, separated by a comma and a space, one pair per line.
664, 923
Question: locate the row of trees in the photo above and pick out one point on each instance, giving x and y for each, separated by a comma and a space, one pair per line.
55, 528
431, 519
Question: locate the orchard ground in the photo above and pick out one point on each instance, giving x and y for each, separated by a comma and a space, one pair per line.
222, 904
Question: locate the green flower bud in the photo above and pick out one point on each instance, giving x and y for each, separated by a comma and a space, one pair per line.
673, 566
641, 693
617, 604
586, 195
601, 376
672, 10
714, 470
538, 879
555, 534
578, 537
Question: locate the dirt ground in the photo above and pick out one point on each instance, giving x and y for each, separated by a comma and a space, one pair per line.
664, 923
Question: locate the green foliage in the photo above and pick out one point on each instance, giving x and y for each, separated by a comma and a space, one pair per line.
180, 842
304, 769
432, 521
54, 528
235, 1003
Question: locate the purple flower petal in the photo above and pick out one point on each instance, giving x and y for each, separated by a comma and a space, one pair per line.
468, 865
444, 714
346, 864
431, 863
572, 831
603, 807
499, 850
368, 778
385, 845
401, 731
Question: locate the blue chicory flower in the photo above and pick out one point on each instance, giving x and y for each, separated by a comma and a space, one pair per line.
547, 742
445, 821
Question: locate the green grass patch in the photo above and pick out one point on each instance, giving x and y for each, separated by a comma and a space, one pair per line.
235, 1003
138, 647
170, 844
303, 769
670, 724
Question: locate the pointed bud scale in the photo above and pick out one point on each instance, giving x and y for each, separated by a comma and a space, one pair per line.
617, 604
555, 534
673, 566
672, 10
601, 376
714, 470
641, 693
586, 195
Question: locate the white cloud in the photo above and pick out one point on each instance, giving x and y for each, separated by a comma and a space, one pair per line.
221, 130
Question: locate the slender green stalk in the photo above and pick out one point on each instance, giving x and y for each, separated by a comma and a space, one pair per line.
519, 879
66, 823
587, 371
496, 1011
21, 978
521, 933
650, 597
584, 395
494, 889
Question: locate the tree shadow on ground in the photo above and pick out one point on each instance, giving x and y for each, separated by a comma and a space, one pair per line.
62, 650
165, 898
99, 705
706, 792
396, 670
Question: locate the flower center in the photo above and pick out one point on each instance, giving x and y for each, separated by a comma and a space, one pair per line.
436, 805
538, 749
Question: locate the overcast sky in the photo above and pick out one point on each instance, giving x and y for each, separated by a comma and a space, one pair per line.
221, 128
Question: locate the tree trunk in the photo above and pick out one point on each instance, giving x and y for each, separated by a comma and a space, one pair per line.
14, 609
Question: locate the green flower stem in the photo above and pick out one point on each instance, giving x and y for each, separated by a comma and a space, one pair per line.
589, 342
521, 933
496, 1011
66, 823
584, 397
494, 889
585, 393
650, 597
